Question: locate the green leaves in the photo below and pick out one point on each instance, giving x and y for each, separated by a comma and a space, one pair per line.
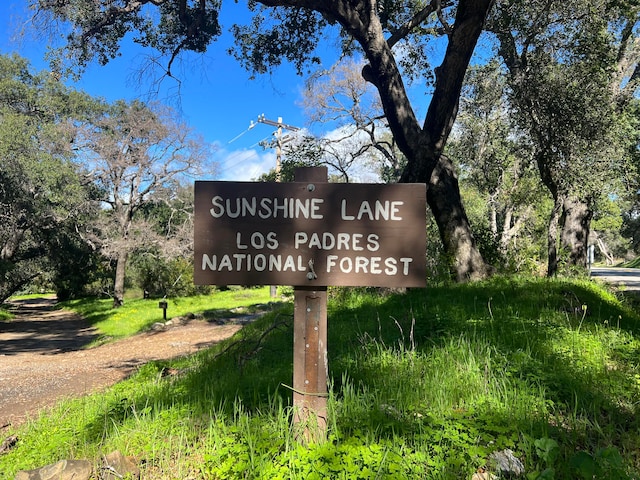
605, 463
275, 35
547, 449
44, 203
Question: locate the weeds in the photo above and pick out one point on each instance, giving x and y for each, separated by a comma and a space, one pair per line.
424, 384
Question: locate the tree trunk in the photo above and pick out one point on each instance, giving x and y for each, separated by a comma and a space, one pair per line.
443, 196
118, 288
508, 231
493, 217
576, 223
425, 160
552, 238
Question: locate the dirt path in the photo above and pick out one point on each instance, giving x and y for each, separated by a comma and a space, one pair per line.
42, 358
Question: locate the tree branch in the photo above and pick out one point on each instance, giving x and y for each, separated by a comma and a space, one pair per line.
415, 21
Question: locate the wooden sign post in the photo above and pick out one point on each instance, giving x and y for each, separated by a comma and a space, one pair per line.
310, 234
310, 362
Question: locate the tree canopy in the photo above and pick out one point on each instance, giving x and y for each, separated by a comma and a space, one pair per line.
392, 37
572, 74
44, 202
135, 153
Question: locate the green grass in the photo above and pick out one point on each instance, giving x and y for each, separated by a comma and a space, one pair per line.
426, 384
5, 314
137, 315
635, 263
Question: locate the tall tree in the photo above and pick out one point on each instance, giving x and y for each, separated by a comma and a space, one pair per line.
340, 99
44, 204
133, 152
573, 71
290, 30
495, 157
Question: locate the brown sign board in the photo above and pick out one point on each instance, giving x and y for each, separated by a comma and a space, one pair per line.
310, 234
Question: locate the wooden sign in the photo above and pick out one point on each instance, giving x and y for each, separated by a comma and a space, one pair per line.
310, 234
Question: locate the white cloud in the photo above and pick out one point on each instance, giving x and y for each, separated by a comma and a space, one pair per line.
243, 165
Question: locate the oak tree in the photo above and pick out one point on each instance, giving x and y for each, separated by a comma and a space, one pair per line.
134, 152
574, 72
45, 206
392, 36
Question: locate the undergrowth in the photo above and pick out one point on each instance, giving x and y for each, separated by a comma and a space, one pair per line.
424, 384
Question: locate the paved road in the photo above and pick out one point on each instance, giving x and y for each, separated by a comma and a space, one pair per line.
628, 278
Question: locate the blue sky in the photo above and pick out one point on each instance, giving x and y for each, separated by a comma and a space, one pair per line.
216, 97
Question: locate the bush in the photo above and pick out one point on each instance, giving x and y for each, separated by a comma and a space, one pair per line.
160, 277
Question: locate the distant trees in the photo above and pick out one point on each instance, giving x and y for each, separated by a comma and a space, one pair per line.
135, 154
341, 100
165, 267
393, 38
573, 75
45, 206
496, 161
81, 181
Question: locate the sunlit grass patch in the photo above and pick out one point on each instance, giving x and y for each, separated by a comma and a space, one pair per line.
423, 384
137, 315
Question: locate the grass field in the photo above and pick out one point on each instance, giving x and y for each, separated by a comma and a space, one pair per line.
424, 384
139, 314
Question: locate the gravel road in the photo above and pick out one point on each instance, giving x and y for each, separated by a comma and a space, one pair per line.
43, 356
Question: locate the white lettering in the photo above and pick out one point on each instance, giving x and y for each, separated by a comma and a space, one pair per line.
331, 262
340, 241
275, 263
300, 239
328, 241
208, 262
282, 207
272, 240
343, 211
368, 265
365, 209
372, 242
239, 243
240, 262
375, 266
309, 208
343, 241
406, 261
395, 209
260, 262
356, 242
218, 209
239, 257
315, 207
257, 240
225, 262
391, 266
230, 212
387, 210
265, 208
289, 264
249, 207
362, 264
315, 241
346, 265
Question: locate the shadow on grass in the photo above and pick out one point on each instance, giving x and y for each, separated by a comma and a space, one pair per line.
565, 349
